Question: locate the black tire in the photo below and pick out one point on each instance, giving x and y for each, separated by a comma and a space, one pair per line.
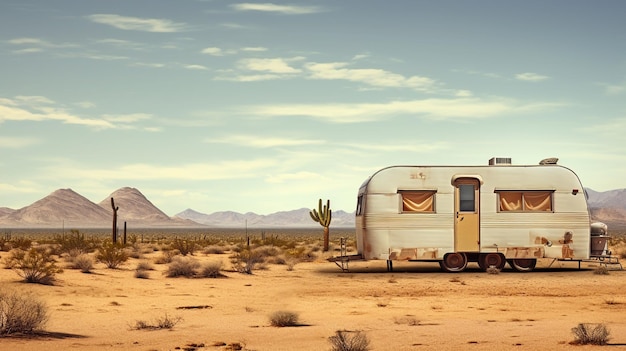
493, 259
523, 264
454, 262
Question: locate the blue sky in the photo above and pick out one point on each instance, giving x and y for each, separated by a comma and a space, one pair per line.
263, 107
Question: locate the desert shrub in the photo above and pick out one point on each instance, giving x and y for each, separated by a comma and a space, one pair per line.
83, 262
20, 243
144, 266
182, 267
588, 333
492, 270
213, 250
284, 319
112, 254
74, 243
142, 274
344, 340
601, 270
211, 269
165, 322
185, 247
166, 257
21, 313
35, 265
246, 260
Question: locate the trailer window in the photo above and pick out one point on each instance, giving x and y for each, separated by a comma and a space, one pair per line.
525, 201
359, 205
418, 201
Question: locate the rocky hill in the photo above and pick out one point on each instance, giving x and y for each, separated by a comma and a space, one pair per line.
293, 219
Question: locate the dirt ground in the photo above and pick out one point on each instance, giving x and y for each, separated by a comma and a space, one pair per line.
415, 307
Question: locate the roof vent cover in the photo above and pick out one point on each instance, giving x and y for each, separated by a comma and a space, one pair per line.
499, 161
549, 161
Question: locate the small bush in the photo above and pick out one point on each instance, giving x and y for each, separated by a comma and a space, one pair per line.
185, 247
213, 250
165, 322
35, 265
211, 270
21, 313
601, 270
349, 341
166, 257
284, 319
74, 244
144, 266
588, 333
246, 260
492, 270
142, 274
82, 262
112, 255
182, 267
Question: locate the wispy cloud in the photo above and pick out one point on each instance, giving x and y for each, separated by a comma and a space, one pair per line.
273, 65
196, 67
457, 108
40, 108
531, 77
616, 126
148, 64
213, 51
40, 43
369, 76
16, 142
139, 24
282, 9
254, 49
263, 142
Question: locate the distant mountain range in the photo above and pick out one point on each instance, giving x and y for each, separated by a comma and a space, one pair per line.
65, 207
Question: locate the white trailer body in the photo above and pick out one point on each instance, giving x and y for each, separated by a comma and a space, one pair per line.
487, 214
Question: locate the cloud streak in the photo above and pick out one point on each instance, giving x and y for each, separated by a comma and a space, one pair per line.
138, 24
282, 9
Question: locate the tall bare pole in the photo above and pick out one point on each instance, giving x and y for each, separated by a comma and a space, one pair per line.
114, 231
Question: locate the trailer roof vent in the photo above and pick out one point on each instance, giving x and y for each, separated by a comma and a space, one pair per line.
549, 161
499, 161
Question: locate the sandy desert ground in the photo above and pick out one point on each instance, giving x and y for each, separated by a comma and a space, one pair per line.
415, 307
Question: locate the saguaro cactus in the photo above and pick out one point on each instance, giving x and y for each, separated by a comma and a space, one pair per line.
114, 232
323, 216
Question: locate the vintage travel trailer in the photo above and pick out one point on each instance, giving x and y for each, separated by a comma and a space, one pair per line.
490, 214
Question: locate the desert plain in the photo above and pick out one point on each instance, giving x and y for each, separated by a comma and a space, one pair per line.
414, 307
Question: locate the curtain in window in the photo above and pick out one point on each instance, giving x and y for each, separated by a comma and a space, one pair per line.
510, 201
421, 201
537, 201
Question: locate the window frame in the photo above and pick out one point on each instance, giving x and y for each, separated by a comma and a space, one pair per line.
523, 201
432, 196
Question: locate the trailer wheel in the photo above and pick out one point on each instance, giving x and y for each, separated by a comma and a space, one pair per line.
454, 262
491, 259
523, 264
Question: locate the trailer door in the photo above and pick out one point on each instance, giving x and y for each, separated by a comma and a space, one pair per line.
467, 214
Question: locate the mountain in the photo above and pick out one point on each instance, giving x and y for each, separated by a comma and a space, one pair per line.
133, 207
608, 207
294, 218
62, 207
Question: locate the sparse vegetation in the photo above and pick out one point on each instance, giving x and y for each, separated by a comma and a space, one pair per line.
83, 262
35, 265
74, 244
284, 319
112, 255
211, 269
601, 270
246, 260
182, 267
344, 340
185, 247
588, 333
165, 322
492, 270
21, 313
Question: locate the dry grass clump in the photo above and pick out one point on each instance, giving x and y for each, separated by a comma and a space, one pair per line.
74, 244
35, 265
589, 333
167, 255
211, 269
165, 322
185, 247
112, 255
284, 319
213, 250
21, 313
601, 270
492, 270
246, 260
83, 262
344, 340
182, 267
